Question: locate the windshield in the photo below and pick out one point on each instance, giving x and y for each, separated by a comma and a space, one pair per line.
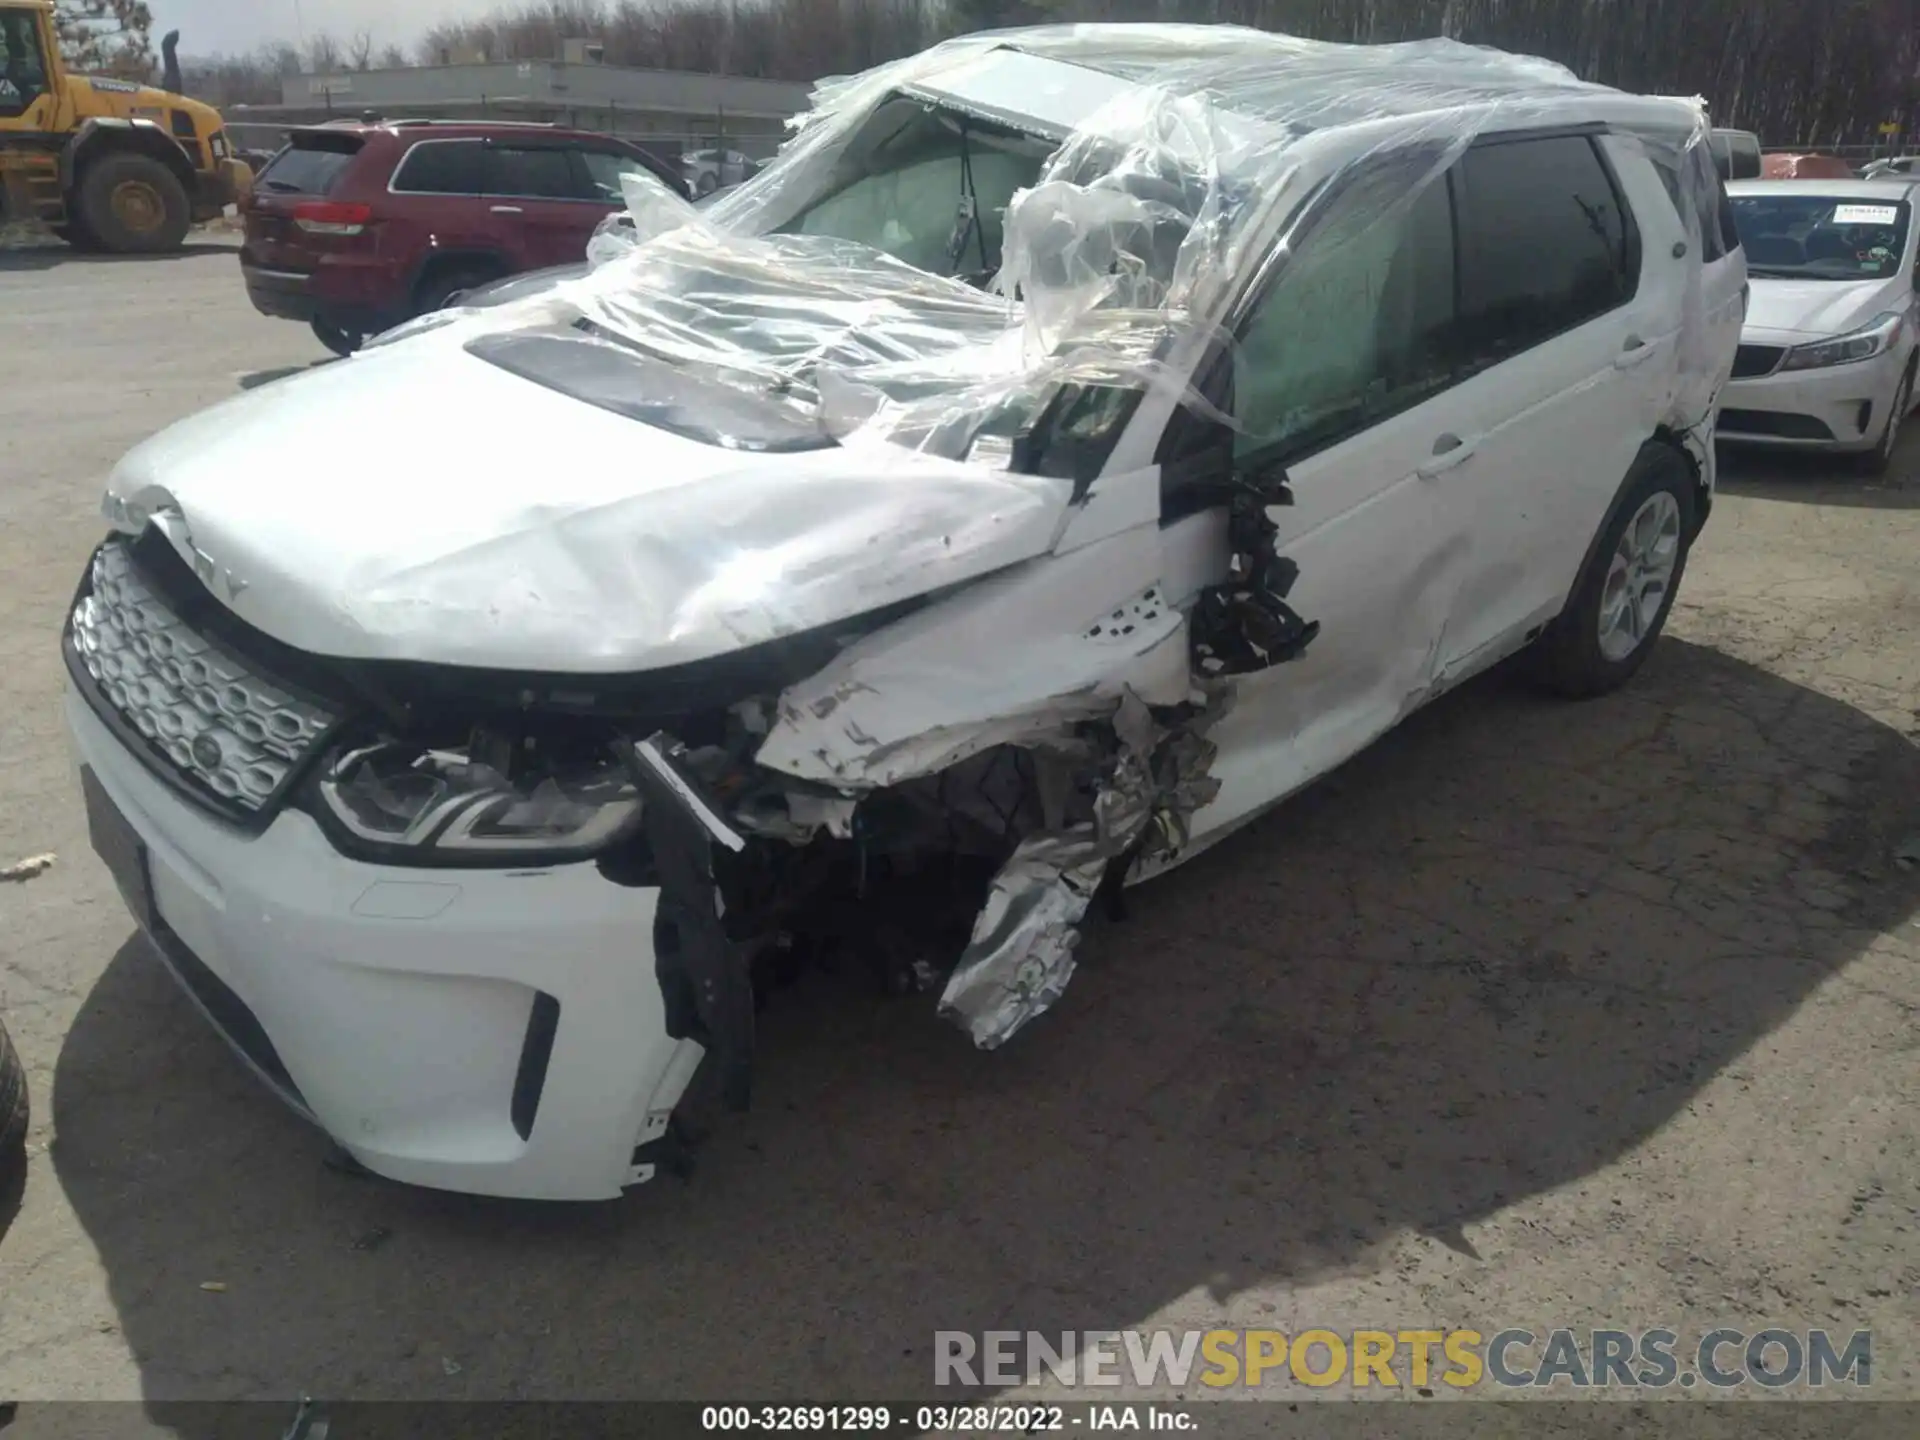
928, 187
1821, 237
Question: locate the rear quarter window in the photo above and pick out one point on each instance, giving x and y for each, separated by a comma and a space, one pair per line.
309, 168
440, 167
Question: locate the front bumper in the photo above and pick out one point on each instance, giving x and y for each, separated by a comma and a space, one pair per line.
401, 1009
1843, 407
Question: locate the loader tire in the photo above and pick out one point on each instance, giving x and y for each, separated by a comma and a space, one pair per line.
133, 205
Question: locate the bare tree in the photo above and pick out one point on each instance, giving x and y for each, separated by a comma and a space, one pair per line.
110, 36
360, 50
323, 54
392, 57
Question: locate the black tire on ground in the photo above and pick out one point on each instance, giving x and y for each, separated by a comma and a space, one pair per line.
77, 235
336, 338
13, 1113
133, 204
708, 182
1568, 660
1878, 460
443, 285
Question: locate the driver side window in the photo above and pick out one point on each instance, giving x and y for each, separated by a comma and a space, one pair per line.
1356, 326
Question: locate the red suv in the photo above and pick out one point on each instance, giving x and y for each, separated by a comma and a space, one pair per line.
354, 228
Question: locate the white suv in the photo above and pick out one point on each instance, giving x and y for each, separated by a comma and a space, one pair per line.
1075, 444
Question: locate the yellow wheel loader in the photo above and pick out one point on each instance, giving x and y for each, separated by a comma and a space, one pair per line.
106, 164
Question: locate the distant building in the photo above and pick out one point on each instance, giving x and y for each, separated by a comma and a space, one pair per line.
667, 111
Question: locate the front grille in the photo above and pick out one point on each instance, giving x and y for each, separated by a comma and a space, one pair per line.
237, 736
1752, 361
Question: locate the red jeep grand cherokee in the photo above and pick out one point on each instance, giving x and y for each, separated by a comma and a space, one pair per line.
355, 227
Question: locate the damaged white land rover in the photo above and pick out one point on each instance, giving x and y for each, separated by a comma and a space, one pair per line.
1076, 442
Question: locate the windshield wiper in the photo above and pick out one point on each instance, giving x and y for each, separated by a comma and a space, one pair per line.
966, 221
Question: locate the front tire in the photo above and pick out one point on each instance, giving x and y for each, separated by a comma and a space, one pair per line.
133, 205
1879, 460
1625, 592
13, 1114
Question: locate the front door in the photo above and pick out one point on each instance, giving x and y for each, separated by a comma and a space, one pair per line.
1342, 374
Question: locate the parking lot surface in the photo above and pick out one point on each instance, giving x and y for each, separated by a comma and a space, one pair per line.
1535, 1015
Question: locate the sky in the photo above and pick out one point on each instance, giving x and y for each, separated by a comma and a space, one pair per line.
231, 26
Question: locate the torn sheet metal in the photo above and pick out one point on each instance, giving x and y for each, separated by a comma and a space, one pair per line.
1021, 954
1018, 659
1021, 957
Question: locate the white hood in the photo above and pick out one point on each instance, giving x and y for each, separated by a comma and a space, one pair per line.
1819, 307
419, 503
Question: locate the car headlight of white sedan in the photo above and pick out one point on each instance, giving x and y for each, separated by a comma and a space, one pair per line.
1874, 338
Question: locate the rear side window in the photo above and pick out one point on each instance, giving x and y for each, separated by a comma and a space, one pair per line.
440, 167
1718, 238
309, 168
532, 172
1545, 244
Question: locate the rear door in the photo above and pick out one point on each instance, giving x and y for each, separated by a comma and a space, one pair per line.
434, 199
1569, 325
542, 201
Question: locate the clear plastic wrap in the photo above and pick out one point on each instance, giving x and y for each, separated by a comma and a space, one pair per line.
1119, 185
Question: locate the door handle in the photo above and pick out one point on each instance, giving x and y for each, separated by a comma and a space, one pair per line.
1637, 352
508, 210
1449, 451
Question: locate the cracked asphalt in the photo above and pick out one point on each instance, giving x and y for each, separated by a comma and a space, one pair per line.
1535, 1015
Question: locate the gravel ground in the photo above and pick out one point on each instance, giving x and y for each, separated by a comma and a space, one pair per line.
1534, 1015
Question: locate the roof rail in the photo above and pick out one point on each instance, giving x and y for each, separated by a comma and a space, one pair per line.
515, 124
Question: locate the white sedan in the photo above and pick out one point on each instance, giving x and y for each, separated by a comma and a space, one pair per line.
1827, 356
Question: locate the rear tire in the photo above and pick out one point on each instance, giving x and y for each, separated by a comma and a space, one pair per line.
13, 1114
133, 204
442, 286
337, 338
1619, 605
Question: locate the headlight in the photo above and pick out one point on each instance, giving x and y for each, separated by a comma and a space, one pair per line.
219, 146
441, 807
1862, 344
